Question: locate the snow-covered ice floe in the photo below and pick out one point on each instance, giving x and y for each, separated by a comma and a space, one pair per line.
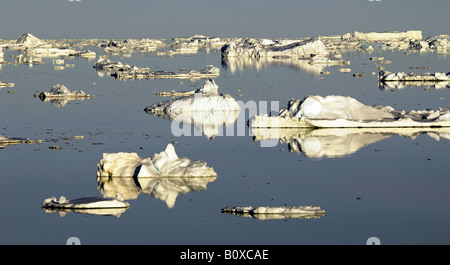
312, 51
89, 205
5, 141
164, 164
402, 76
123, 71
163, 175
85, 203
281, 212
62, 92
205, 109
346, 112
339, 142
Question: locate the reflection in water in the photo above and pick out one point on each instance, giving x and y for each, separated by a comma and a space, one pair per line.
339, 142
166, 189
276, 213
60, 102
240, 63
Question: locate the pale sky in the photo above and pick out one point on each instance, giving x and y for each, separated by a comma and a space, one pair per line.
53, 19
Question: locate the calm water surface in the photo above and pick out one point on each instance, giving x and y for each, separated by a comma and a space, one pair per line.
393, 185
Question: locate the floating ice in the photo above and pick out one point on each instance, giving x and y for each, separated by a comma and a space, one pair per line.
257, 48
125, 71
401, 76
164, 164
2, 85
270, 213
205, 109
85, 203
341, 112
61, 91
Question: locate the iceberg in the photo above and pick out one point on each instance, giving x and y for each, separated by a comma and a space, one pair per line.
164, 164
271, 213
28, 39
125, 71
339, 142
59, 91
346, 112
163, 175
384, 76
257, 48
206, 109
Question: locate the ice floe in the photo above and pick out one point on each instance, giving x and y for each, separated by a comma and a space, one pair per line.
89, 205
339, 142
340, 111
59, 95
205, 109
5, 141
402, 76
164, 164
124, 71
272, 213
2, 84
163, 175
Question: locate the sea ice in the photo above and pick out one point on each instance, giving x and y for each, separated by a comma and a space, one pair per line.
281, 212
341, 112
164, 164
206, 109
85, 203
59, 91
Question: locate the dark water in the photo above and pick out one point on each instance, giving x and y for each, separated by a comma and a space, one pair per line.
394, 188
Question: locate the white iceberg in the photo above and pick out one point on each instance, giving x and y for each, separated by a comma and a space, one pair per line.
280, 212
205, 109
28, 39
258, 48
62, 92
402, 76
344, 112
164, 164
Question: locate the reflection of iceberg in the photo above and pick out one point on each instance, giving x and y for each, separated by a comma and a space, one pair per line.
346, 112
339, 142
90, 205
166, 189
241, 63
163, 175
205, 109
273, 213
